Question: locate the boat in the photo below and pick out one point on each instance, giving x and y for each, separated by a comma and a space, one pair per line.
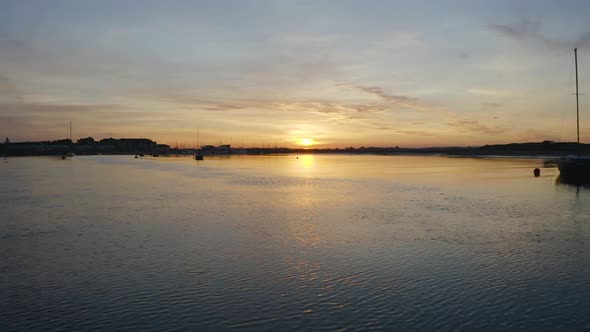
575, 167
198, 156
70, 153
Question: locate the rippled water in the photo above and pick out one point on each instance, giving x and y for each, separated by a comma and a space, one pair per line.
319, 242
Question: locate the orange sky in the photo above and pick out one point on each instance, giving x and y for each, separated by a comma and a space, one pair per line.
258, 73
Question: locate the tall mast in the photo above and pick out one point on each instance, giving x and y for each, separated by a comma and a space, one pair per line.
199, 145
71, 131
577, 95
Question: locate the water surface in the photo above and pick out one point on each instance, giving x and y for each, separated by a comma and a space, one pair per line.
319, 242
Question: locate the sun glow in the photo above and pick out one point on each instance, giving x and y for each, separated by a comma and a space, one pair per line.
306, 141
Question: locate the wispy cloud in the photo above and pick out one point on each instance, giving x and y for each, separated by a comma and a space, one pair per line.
27, 120
403, 131
298, 105
535, 135
367, 108
491, 104
67, 111
8, 90
530, 33
483, 92
225, 107
475, 126
392, 98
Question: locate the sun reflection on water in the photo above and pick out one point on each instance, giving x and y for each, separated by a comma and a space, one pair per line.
306, 161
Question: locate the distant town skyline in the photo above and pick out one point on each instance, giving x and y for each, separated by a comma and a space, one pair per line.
326, 74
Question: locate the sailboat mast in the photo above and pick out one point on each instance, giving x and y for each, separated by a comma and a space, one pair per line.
577, 95
71, 131
199, 145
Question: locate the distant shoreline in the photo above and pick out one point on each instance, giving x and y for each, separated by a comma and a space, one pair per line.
111, 146
307, 152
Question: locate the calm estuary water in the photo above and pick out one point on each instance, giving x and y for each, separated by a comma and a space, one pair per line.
322, 242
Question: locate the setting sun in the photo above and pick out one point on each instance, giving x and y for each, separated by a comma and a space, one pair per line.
306, 141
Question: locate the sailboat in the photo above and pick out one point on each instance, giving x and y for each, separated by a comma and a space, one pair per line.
575, 167
70, 153
198, 156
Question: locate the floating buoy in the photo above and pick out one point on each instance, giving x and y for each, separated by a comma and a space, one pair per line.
537, 172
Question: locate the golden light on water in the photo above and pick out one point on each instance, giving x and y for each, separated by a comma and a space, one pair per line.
306, 141
307, 161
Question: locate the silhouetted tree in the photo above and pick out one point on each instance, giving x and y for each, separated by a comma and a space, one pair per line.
89, 141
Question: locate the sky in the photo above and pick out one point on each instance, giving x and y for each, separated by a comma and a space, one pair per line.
286, 73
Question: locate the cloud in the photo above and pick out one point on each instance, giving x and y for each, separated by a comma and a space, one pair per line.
462, 123
57, 110
379, 92
8, 90
44, 121
317, 106
14, 49
475, 126
483, 92
225, 107
530, 135
333, 110
583, 41
529, 33
491, 104
464, 55
34, 118
215, 104
402, 131
6, 85
367, 108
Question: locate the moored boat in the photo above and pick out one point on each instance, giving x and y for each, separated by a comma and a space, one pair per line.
575, 167
198, 156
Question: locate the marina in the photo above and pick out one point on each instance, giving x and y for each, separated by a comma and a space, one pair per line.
292, 242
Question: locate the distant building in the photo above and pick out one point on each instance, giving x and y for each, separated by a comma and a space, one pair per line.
222, 149
161, 148
129, 145
25, 148
85, 146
